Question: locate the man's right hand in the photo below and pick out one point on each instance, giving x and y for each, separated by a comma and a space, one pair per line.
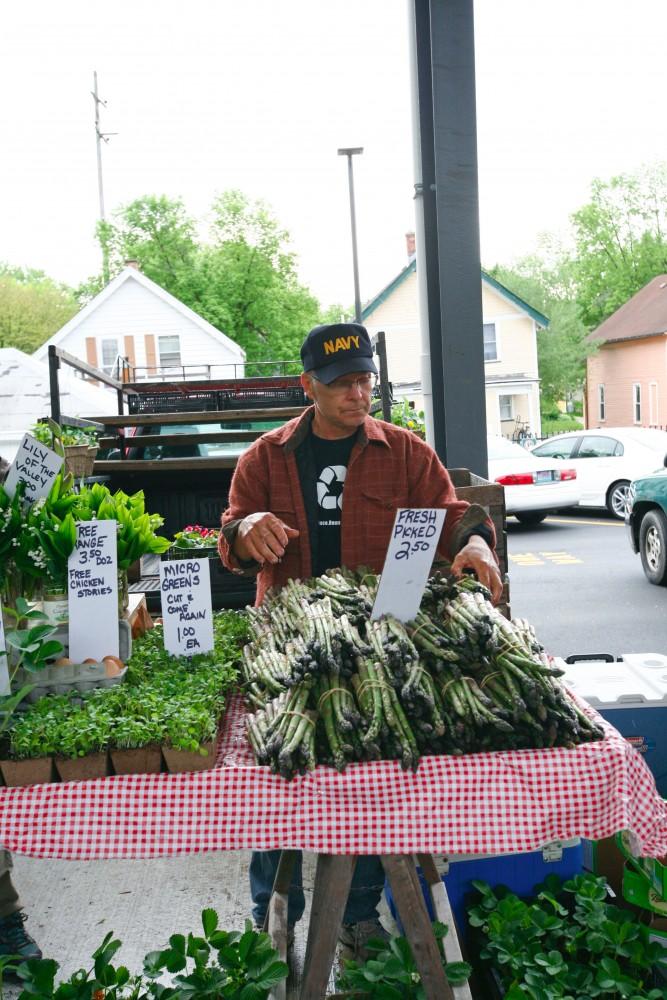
263, 537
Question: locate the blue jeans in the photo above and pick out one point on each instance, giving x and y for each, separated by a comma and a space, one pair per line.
365, 891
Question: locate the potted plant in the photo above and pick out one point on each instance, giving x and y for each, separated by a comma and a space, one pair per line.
136, 735
404, 415
136, 528
195, 538
77, 445
82, 740
33, 740
28, 649
190, 732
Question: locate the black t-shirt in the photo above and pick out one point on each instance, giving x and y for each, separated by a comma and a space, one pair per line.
330, 461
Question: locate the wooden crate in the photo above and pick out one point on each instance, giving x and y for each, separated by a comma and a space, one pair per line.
491, 497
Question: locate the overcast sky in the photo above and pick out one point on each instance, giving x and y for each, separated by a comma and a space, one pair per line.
214, 94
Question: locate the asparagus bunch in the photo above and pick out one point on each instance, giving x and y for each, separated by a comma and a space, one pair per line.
333, 686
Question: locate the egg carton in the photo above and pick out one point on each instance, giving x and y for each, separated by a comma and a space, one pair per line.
74, 676
124, 639
79, 677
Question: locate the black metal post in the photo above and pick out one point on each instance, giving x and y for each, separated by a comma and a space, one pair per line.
54, 365
446, 113
385, 386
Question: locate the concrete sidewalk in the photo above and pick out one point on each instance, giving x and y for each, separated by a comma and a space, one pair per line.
71, 905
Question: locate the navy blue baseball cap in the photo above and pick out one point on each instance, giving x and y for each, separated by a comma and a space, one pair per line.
336, 349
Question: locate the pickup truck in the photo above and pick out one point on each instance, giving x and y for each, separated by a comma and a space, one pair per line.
180, 443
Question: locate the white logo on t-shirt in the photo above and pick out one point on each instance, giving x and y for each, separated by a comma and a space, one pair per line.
330, 487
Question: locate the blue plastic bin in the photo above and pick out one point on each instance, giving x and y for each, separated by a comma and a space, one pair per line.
519, 872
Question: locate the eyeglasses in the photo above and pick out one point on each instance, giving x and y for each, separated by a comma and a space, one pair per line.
364, 383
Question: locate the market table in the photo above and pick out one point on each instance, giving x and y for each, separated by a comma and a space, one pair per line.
488, 803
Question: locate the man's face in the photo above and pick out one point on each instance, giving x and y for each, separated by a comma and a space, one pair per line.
341, 406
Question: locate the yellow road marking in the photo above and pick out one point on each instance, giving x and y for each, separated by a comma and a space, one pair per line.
560, 558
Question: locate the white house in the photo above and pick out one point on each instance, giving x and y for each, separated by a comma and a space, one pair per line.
161, 338
510, 347
25, 396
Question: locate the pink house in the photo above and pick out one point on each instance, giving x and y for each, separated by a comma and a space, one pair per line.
626, 380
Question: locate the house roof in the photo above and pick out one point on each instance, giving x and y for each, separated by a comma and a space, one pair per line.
133, 274
411, 268
25, 396
644, 315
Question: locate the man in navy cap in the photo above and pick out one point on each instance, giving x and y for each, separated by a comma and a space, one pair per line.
322, 491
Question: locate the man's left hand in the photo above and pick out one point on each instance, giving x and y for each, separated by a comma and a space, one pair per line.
477, 556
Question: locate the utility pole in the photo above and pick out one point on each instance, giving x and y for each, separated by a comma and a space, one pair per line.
99, 138
350, 152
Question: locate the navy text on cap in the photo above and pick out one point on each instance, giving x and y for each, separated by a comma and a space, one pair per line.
336, 349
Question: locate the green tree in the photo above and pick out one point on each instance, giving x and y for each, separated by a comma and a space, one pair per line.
562, 347
620, 240
242, 278
32, 307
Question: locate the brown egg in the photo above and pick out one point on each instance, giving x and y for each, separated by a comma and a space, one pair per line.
64, 661
112, 667
91, 659
119, 663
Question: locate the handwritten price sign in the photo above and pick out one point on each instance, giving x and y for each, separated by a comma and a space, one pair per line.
414, 540
185, 586
36, 466
92, 585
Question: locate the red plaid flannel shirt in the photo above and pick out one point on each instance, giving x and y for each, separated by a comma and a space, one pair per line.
389, 468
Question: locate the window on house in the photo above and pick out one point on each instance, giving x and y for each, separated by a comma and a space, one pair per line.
637, 402
490, 342
170, 350
109, 354
505, 406
601, 409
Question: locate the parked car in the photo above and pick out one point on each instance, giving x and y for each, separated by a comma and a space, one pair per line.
646, 520
534, 487
607, 460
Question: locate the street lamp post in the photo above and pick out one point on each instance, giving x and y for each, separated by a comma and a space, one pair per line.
351, 151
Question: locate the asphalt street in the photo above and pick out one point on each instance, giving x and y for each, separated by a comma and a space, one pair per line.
576, 579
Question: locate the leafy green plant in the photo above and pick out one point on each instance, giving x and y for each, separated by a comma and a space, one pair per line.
164, 698
403, 415
219, 964
103, 978
83, 730
35, 733
28, 648
195, 537
57, 437
11, 522
392, 973
136, 528
568, 942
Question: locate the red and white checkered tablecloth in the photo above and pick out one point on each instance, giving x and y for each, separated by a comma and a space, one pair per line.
481, 803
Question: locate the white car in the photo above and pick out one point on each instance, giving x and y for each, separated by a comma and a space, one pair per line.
607, 460
533, 486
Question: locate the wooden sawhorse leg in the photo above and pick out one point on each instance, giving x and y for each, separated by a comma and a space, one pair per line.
443, 912
409, 901
276, 915
333, 878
